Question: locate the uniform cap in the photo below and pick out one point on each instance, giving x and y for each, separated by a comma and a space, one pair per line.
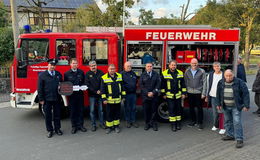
52, 61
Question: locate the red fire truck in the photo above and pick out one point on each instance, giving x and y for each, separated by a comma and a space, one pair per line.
160, 43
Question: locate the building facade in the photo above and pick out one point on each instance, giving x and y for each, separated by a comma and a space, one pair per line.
55, 13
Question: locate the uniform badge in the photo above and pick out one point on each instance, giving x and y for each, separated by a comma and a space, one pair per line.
91, 76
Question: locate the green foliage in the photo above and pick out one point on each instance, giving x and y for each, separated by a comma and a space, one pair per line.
87, 15
146, 17
169, 21
7, 45
231, 14
243, 14
3, 16
214, 14
90, 15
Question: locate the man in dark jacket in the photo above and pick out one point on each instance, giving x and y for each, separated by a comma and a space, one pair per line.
76, 100
93, 81
129, 83
233, 97
241, 73
48, 83
150, 85
256, 89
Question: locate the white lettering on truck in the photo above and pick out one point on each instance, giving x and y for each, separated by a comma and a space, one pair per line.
181, 35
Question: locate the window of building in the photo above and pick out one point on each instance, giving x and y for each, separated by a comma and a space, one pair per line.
65, 50
95, 49
35, 20
35, 50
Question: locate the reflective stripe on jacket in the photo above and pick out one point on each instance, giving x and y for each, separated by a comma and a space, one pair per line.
173, 87
111, 88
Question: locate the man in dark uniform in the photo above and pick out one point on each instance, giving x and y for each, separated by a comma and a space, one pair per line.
112, 93
173, 90
241, 73
93, 81
48, 83
76, 100
150, 85
129, 83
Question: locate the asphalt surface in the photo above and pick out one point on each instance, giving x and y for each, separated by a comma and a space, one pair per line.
23, 137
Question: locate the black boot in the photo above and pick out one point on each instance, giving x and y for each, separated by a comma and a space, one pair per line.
155, 126
174, 128
178, 123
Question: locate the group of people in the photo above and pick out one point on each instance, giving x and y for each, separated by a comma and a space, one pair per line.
222, 90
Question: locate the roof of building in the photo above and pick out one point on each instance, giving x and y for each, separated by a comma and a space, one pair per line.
71, 4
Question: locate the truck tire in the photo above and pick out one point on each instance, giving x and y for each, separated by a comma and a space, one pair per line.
162, 112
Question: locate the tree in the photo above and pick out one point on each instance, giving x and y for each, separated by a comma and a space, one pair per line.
36, 7
233, 14
6, 36
245, 13
173, 20
86, 15
3, 16
7, 45
184, 12
213, 14
90, 15
146, 17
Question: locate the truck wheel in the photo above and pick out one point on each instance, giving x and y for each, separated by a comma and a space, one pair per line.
162, 112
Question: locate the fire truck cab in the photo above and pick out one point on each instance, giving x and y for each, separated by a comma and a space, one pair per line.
34, 49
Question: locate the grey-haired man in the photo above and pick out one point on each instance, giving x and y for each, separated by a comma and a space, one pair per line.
93, 81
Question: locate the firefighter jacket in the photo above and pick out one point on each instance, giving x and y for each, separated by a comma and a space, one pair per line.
173, 84
112, 89
48, 86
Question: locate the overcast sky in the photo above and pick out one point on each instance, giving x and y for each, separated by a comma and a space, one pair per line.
160, 8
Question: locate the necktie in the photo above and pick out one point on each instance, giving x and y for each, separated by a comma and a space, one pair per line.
52, 73
150, 74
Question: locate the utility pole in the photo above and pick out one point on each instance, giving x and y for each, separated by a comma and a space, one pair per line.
123, 18
14, 22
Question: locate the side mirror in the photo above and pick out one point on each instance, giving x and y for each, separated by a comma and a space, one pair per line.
18, 53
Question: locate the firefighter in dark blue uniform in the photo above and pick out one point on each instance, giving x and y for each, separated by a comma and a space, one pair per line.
150, 85
129, 83
173, 90
112, 92
76, 100
48, 83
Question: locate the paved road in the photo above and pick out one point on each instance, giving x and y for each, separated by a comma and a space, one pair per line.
22, 136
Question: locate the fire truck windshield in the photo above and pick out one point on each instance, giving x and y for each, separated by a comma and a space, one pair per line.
34, 50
